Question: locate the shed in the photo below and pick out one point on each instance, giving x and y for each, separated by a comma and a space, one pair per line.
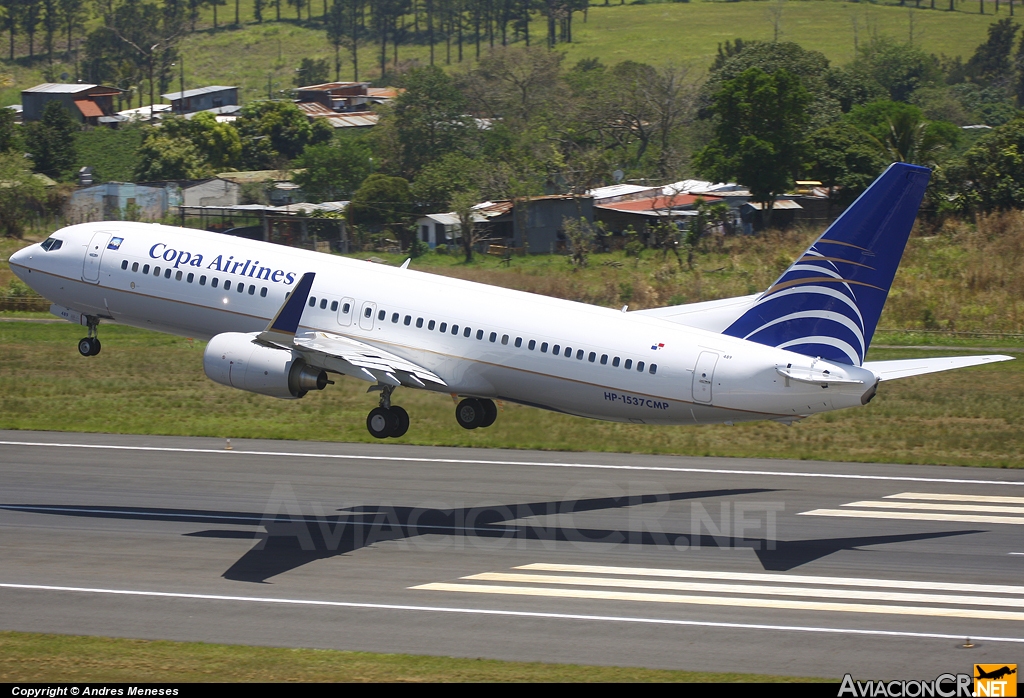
116, 201
88, 103
202, 98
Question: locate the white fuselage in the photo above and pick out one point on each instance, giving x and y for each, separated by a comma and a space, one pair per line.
700, 376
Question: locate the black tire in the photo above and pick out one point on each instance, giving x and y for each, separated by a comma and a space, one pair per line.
403, 421
490, 413
469, 413
96, 346
381, 423
85, 346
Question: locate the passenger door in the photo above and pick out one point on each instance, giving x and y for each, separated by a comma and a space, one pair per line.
704, 376
93, 257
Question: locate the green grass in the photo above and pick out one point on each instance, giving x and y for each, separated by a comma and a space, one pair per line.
148, 383
36, 657
682, 33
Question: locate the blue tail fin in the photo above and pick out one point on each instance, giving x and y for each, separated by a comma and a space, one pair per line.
828, 302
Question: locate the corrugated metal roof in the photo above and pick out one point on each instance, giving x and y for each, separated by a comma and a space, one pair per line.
615, 190
314, 109
199, 91
88, 108
60, 88
656, 203
357, 120
779, 205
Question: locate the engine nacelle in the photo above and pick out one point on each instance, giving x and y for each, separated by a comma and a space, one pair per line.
235, 360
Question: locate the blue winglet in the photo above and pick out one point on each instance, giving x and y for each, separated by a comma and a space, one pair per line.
827, 304
287, 319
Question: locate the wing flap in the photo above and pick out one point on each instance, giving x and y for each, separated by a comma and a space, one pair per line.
363, 361
904, 368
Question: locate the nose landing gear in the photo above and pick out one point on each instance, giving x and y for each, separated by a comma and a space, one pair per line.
473, 413
90, 346
387, 420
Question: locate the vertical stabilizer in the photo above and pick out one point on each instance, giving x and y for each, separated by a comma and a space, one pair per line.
828, 302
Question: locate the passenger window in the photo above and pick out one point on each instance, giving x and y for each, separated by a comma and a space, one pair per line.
532, 345
493, 337
504, 339
604, 359
252, 290
394, 317
190, 278
124, 264
579, 354
334, 305
312, 299
345, 308
615, 362
368, 312
556, 350
167, 274
323, 304
592, 357
202, 280
628, 364
156, 271
519, 342
135, 266
654, 369
466, 332
213, 282
408, 319
419, 322
239, 287
381, 315
640, 366
568, 352
177, 275
543, 347
430, 325
227, 284
145, 269
263, 292
479, 334
443, 327
455, 329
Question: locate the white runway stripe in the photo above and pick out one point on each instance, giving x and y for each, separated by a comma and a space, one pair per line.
778, 577
720, 588
935, 496
677, 622
787, 604
914, 516
931, 506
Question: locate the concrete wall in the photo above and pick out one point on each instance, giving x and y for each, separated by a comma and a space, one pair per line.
215, 192
114, 201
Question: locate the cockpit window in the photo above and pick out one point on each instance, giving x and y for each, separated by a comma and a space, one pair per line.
51, 244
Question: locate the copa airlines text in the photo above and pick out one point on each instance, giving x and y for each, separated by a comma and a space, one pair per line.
281, 320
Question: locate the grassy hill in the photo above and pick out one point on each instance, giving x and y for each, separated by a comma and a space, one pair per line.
263, 57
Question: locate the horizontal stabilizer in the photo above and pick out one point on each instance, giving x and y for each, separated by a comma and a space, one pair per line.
713, 316
904, 368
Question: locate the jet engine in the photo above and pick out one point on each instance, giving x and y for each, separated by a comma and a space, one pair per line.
236, 360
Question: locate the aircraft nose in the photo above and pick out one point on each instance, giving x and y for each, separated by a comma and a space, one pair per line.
20, 259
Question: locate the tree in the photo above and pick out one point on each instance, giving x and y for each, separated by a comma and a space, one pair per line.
901, 133
710, 216
989, 177
10, 133
759, 135
382, 202
164, 158
425, 122
333, 170
462, 205
899, 68
274, 133
51, 141
845, 160
20, 195
991, 63
312, 71
336, 27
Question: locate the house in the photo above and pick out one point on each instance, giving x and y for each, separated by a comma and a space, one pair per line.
91, 104
443, 228
336, 97
641, 214
211, 192
202, 98
118, 201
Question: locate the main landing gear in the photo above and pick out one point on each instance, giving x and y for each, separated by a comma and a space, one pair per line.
387, 420
90, 346
472, 413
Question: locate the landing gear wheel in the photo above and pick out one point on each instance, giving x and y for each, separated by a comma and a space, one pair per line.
469, 413
381, 423
88, 346
403, 421
490, 413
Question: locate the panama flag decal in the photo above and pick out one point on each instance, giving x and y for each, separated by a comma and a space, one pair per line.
657, 346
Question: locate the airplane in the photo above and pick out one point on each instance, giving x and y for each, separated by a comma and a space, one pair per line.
280, 321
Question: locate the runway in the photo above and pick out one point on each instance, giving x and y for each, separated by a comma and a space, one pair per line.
782, 567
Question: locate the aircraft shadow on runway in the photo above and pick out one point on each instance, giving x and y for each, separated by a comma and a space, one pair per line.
291, 540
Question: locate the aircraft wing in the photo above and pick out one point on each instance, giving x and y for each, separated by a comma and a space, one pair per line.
714, 316
904, 368
360, 360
